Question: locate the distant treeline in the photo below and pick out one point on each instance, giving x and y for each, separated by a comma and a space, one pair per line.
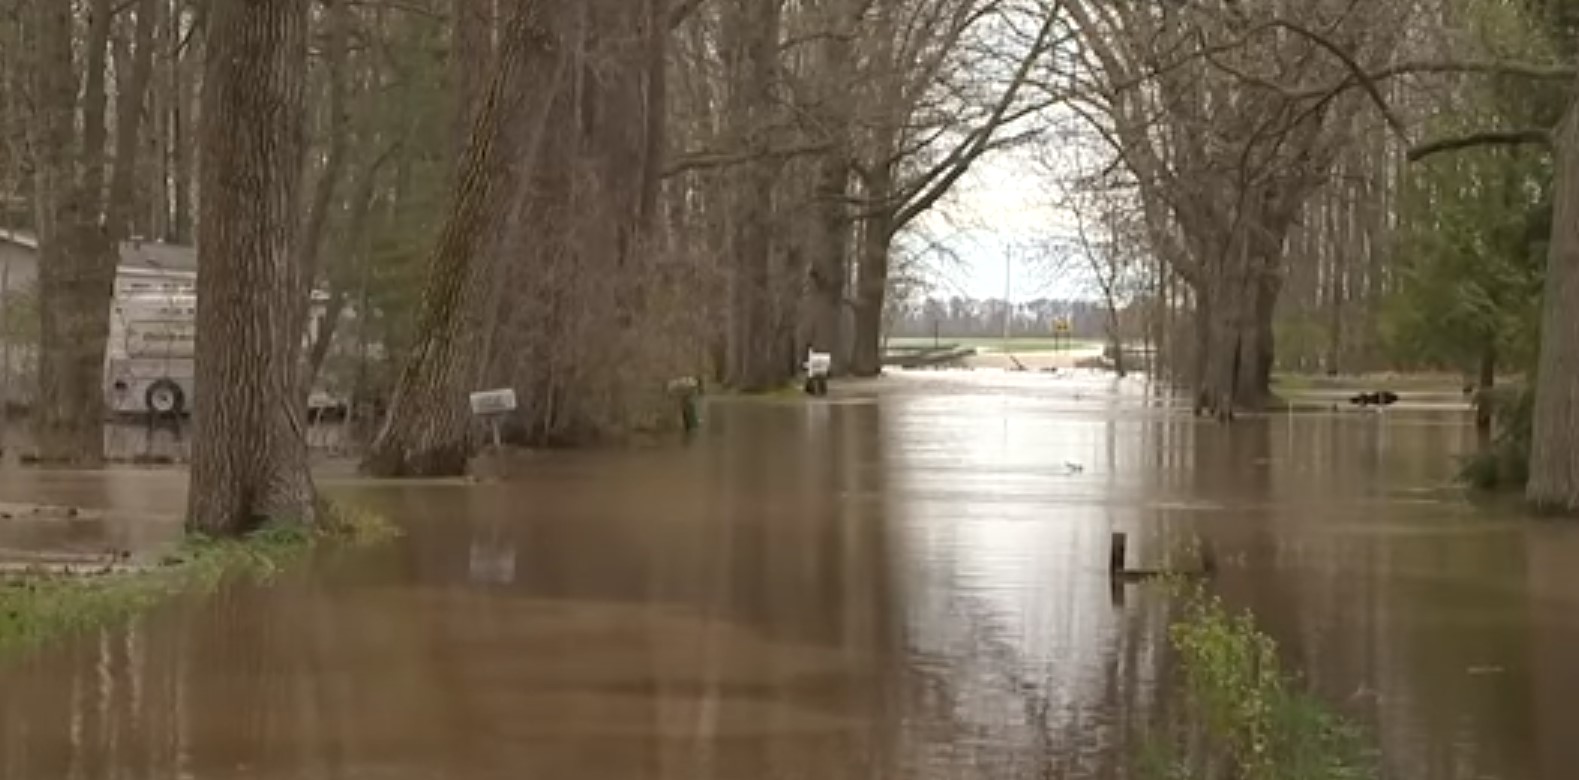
960, 317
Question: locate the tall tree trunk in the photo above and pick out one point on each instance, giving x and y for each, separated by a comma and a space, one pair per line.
1484, 413
871, 289
471, 54
427, 429
831, 230
77, 259
344, 275
656, 84
871, 280
249, 453
755, 343
1554, 450
309, 245
184, 52
121, 212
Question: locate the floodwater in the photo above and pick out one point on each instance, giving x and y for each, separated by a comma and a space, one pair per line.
897, 583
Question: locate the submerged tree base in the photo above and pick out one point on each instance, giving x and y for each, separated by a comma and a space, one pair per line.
39, 605
398, 463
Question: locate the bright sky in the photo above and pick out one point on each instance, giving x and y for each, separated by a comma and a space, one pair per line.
999, 214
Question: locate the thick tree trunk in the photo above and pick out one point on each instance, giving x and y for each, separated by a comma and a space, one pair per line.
1223, 343
871, 289
1254, 381
471, 54
249, 452
831, 229
427, 431
1554, 451
755, 343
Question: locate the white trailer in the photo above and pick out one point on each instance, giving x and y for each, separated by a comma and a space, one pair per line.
149, 361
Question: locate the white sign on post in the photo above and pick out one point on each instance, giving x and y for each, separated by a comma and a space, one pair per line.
492, 404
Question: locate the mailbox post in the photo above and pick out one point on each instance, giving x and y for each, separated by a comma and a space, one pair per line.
492, 406
818, 365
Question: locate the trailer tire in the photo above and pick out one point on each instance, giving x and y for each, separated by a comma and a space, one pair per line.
165, 397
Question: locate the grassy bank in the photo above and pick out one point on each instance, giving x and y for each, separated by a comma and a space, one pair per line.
1246, 716
38, 606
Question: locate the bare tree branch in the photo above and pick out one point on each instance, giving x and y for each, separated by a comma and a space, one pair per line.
926, 193
704, 160
1533, 136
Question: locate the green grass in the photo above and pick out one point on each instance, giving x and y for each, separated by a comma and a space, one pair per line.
36, 608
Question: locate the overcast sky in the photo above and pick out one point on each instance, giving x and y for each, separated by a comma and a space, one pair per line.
1001, 213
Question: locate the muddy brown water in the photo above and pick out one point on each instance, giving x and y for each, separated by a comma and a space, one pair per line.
900, 584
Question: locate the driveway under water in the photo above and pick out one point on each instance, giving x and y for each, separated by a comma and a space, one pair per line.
904, 582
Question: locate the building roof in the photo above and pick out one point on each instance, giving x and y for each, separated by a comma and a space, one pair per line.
136, 254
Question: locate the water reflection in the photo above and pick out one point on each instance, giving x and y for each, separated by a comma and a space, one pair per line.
906, 586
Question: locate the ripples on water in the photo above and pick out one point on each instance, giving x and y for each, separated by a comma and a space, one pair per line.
908, 586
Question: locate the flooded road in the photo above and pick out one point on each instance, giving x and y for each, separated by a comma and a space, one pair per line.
906, 583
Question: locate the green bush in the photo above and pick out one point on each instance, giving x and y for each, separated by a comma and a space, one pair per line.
1256, 722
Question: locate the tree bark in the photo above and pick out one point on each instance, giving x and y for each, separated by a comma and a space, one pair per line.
130, 102
184, 51
471, 54
76, 257
1484, 412
309, 245
831, 221
755, 344
427, 432
1554, 451
249, 451
871, 285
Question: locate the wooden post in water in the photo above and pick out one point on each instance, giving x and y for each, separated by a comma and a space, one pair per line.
1116, 553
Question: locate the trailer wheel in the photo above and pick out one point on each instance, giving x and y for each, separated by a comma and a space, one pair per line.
165, 397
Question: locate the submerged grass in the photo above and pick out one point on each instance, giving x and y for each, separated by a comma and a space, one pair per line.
38, 607
1248, 717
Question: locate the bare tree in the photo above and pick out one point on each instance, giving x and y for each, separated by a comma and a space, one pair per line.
1224, 152
250, 449
910, 159
427, 428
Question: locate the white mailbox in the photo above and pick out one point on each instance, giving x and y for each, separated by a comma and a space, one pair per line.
491, 402
818, 364
491, 405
